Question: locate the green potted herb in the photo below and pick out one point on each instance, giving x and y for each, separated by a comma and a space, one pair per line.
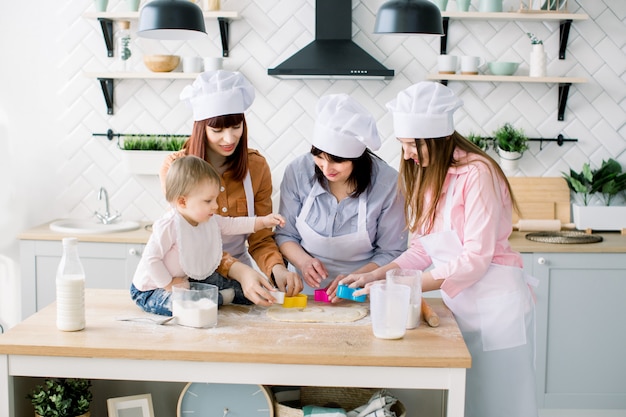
510, 144
479, 141
144, 154
62, 397
604, 187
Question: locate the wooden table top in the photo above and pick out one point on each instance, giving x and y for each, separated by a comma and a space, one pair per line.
244, 335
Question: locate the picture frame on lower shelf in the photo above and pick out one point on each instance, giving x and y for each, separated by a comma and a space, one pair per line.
131, 406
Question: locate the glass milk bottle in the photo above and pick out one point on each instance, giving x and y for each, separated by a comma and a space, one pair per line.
70, 288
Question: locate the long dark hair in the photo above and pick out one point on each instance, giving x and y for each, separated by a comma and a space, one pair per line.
362, 170
237, 163
416, 181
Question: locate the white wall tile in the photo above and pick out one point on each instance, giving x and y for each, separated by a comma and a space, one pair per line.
66, 165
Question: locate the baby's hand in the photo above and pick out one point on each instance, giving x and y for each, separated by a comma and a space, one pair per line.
270, 221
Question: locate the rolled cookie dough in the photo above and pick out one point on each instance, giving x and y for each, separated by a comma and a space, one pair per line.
319, 313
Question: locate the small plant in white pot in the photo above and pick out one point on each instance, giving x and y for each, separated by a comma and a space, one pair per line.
510, 144
598, 196
144, 154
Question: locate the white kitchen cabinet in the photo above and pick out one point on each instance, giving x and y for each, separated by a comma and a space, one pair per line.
580, 329
107, 265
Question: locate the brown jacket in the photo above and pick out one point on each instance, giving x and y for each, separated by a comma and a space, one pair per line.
261, 244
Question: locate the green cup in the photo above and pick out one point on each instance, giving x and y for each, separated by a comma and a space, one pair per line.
133, 5
463, 5
101, 5
442, 4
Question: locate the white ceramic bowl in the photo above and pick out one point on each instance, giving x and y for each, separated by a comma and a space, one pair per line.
503, 68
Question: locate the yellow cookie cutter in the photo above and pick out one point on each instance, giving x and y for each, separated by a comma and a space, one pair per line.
298, 301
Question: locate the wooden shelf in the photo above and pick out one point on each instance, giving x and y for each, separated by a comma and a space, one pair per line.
135, 15
108, 86
507, 78
533, 16
143, 75
563, 82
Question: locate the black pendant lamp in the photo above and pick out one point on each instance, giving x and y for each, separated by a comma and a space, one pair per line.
171, 20
409, 16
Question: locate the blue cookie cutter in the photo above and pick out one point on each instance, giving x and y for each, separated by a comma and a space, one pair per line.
343, 291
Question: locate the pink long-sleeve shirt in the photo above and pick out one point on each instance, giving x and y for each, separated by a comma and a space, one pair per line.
481, 217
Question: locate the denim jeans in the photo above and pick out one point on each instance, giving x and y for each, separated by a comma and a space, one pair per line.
158, 301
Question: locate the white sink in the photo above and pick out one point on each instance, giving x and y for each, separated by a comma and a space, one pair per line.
91, 226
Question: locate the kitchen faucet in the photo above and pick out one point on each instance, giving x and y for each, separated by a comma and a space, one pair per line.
106, 218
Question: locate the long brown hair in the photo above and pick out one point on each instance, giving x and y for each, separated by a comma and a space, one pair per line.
416, 182
237, 163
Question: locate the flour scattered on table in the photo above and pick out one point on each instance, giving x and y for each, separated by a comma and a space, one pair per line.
319, 313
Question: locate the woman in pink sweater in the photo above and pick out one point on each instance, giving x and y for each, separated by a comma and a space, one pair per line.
459, 210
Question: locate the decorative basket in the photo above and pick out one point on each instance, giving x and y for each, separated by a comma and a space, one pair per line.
346, 398
543, 6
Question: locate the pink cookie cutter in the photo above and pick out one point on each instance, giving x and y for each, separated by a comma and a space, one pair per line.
321, 296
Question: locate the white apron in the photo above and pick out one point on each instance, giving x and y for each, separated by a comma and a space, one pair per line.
340, 254
236, 244
496, 317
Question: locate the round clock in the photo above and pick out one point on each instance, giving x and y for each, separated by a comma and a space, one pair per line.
224, 400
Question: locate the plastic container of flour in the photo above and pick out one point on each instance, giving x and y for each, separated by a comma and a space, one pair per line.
195, 306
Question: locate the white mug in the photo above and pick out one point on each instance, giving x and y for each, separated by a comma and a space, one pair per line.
213, 63
192, 64
471, 64
447, 64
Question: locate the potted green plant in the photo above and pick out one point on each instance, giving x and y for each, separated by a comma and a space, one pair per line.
62, 397
510, 144
480, 141
598, 196
144, 154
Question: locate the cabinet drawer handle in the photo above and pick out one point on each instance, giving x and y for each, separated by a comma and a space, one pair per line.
541, 261
134, 252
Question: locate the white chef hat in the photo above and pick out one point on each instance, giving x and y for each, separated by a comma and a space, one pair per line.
343, 127
424, 110
217, 93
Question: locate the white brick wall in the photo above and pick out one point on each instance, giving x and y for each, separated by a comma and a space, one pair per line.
48, 109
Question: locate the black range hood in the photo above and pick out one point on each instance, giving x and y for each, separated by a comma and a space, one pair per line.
332, 54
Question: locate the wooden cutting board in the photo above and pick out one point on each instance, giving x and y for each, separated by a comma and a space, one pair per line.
541, 198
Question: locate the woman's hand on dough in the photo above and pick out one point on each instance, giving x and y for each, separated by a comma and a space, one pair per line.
287, 281
313, 272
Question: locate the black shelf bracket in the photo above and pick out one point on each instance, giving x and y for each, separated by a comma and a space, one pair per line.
107, 90
563, 93
107, 33
564, 28
224, 30
444, 39
559, 140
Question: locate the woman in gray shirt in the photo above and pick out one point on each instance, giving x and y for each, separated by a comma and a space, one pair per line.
340, 201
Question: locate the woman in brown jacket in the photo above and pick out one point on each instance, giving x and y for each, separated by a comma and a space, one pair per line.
218, 100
